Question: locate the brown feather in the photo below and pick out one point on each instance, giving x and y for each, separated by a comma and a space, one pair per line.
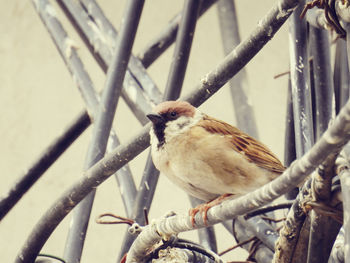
252, 149
181, 107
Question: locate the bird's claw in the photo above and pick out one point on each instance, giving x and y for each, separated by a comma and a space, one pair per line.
203, 209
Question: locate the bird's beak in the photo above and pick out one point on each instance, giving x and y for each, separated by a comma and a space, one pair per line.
155, 118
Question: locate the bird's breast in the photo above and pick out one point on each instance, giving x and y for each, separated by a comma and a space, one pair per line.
205, 166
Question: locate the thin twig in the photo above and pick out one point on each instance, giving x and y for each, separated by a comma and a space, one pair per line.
253, 248
236, 246
281, 74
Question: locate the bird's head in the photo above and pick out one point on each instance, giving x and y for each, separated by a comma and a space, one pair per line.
171, 118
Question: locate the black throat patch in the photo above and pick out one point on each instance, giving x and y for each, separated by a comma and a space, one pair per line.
159, 132
159, 126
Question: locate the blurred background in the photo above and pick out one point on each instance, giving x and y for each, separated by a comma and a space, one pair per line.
38, 98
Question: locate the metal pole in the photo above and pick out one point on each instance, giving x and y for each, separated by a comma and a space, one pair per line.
85, 86
289, 139
320, 240
301, 92
244, 112
303, 126
139, 91
176, 76
103, 124
341, 75
159, 44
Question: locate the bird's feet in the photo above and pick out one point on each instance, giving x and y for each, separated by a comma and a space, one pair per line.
203, 208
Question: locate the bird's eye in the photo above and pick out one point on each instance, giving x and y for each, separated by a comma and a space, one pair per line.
173, 114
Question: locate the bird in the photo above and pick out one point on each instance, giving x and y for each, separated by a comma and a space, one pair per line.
206, 157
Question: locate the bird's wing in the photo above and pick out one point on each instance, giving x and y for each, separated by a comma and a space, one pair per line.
252, 149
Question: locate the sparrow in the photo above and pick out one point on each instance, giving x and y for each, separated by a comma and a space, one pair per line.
206, 157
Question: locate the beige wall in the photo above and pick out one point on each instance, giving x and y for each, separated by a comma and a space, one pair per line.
38, 98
